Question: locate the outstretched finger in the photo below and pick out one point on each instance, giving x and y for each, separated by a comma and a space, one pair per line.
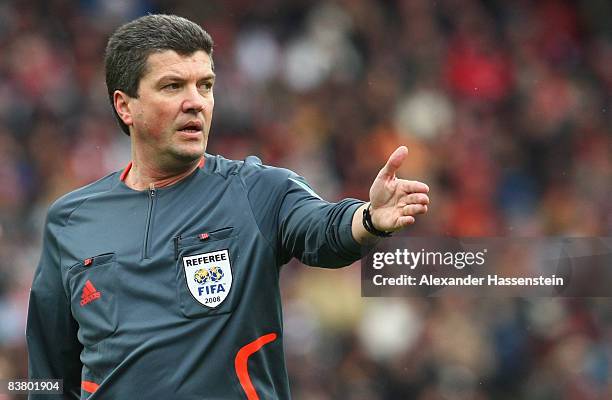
415, 198
405, 221
414, 209
394, 162
413, 186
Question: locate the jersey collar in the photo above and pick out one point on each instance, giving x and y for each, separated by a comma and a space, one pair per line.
127, 169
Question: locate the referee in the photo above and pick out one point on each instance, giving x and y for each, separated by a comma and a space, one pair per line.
161, 280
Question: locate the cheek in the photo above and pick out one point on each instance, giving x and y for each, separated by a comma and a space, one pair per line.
209, 109
155, 119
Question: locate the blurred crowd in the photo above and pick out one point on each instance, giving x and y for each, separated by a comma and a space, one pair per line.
505, 106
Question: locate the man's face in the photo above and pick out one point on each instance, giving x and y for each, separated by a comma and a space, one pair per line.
172, 114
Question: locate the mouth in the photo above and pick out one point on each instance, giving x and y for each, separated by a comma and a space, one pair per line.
191, 127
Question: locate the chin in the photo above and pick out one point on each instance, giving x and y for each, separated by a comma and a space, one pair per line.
187, 152
189, 155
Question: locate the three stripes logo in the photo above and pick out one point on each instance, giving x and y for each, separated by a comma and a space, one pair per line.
90, 293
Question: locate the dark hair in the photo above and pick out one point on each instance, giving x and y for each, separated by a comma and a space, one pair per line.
129, 47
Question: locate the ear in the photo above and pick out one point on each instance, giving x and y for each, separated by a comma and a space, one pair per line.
121, 101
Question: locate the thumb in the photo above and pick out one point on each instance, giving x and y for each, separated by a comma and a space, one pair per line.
394, 162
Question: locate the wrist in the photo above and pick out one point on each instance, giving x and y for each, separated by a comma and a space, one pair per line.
368, 224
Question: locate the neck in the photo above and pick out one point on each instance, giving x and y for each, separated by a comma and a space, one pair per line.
143, 175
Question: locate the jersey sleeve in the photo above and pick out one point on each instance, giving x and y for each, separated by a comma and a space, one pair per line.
299, 223
317, 232
51, 333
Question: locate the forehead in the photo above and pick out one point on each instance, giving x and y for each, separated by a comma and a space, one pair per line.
171, 62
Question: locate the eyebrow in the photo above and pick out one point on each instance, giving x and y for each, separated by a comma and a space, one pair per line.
175, 77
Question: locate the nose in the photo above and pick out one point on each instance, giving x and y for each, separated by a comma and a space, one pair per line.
193, 102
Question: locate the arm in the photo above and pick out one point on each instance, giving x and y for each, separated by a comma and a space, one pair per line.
394, 202
295, 221
53, 348
298, 223
315, 231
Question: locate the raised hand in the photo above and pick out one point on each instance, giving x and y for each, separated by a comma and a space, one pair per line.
394, 202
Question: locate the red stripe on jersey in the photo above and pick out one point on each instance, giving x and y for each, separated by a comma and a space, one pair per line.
242, 358
90, 387
125, 171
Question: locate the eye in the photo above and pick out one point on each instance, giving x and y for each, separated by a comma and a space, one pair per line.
206, 86
171, 86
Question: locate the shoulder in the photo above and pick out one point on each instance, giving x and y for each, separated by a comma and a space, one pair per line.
251, 170
60, 211
265, 183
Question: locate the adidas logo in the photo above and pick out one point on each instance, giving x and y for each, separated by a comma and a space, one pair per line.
89, 293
